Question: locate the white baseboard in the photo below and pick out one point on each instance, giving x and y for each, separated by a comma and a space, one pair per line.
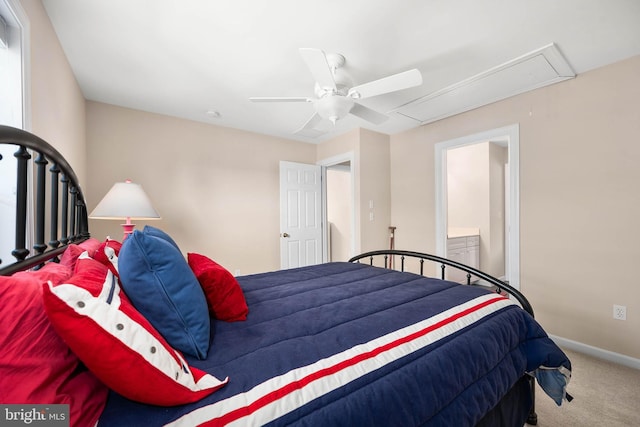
600, 353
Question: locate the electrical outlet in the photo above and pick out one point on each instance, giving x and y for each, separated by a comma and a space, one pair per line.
619, 312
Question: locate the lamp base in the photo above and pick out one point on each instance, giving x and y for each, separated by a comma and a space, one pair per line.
128, 229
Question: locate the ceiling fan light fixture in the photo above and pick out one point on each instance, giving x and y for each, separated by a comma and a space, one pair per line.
334, 107
336, 95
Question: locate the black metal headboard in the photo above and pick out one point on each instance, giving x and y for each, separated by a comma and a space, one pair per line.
67, 220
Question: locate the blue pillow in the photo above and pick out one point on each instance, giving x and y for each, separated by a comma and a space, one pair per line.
156, 232
159, 282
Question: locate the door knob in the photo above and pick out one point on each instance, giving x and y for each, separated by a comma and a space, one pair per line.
285, 235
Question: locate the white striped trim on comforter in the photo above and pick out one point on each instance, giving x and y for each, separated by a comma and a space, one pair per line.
280, 395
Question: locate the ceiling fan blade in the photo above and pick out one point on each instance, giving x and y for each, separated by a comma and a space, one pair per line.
279, 99
317, 62
368, 114
308, 129
388, 84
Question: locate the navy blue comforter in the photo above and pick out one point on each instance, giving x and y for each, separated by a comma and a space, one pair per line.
344, 344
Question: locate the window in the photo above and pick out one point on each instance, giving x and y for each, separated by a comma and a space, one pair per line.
12, 66
13, 93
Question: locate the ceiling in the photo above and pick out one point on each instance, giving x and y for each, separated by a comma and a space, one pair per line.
190, 58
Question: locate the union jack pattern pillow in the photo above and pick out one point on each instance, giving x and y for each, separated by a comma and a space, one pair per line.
96, 319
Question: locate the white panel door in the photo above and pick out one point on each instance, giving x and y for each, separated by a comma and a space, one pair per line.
300, 214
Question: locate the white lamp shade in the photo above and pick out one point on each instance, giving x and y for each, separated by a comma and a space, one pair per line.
125, 200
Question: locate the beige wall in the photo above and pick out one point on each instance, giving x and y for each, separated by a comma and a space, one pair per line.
372, 177
57, 104
348, 143
217, 189
374, 188
578, 192
345, 143
213, 197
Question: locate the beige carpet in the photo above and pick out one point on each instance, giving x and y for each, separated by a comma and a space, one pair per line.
605, 394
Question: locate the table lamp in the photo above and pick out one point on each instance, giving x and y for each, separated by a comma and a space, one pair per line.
126, 200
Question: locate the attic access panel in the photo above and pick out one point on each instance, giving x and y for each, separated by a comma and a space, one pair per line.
536, 69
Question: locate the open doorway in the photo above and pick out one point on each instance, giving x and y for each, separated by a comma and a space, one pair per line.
339, 212
476, 206
503, 261
339, 207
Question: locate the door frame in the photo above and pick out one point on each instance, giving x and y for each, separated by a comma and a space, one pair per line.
325, 163
510, 136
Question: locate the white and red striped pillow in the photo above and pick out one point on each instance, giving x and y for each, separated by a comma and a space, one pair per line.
99, 323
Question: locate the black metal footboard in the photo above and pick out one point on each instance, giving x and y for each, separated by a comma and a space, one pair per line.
390, 260
388, 257
63, 221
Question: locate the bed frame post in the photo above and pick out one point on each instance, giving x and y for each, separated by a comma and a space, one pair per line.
39, 245
65, 209
532, 419
55, 172
21, 252
72, 216
82, 224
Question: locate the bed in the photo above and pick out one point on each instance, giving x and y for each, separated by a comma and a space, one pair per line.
138, 334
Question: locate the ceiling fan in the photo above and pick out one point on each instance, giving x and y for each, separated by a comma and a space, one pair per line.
335, 95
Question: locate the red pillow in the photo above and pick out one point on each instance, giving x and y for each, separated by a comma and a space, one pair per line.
73, 251
70, 256
36, 366
224, 295
51, 271
92, 314
90, 245
107, 253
